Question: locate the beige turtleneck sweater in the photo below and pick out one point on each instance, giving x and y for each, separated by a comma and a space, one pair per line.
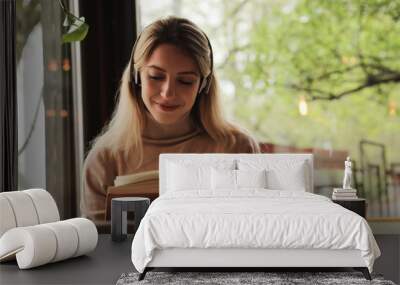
101, 168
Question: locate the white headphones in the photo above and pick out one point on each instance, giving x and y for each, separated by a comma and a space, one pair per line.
205, 81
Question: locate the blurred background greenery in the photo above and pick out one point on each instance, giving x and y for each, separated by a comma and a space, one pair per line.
310, 75
339, 60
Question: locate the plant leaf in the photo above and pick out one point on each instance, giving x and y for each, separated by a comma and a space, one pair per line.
77, 31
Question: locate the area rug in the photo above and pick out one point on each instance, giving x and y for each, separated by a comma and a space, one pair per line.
229, 278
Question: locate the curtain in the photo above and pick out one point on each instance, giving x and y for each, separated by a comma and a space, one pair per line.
8, 101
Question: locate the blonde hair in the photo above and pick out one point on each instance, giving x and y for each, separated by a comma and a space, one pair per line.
124, 131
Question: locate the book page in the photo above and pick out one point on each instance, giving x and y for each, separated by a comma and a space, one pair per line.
136, 177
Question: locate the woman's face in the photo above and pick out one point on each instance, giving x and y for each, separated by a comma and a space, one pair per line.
170, 81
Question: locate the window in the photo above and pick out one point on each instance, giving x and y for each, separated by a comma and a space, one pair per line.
46, 149
311, 76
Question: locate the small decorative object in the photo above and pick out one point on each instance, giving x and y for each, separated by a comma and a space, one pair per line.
347, 192
347, 174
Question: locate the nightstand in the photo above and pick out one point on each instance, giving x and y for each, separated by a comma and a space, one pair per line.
358, 206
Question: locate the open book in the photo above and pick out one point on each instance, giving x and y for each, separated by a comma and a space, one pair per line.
142, 184
136, 177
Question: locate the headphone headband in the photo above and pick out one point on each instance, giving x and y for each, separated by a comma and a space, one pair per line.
205, 83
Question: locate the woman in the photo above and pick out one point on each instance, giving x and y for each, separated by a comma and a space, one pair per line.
168, 103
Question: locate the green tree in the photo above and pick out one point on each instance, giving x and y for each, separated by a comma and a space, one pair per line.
342, 56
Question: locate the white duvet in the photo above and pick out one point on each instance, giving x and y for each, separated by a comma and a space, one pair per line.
252, 218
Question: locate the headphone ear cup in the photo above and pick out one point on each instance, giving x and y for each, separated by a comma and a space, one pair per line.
138, 82
208, 85
135, 81
203, 84
137, 78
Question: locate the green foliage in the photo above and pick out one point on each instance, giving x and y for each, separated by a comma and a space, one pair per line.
342, 56
76, 28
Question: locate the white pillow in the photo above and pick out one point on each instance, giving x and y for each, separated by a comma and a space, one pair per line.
187, 174
251, 178
295, 180
235, 179
223, 179
282, 174
191, 177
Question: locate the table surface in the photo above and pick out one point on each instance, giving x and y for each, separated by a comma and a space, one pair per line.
104, 265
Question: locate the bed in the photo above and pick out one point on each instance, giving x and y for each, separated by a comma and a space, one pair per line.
246, 211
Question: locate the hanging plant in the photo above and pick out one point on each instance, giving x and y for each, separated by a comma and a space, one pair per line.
76, 28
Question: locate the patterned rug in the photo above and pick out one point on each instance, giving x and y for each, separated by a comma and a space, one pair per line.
229, 278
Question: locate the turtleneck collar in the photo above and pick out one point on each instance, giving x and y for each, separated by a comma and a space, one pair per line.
156, 133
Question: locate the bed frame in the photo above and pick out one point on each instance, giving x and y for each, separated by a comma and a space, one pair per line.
246, 258
242, 259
